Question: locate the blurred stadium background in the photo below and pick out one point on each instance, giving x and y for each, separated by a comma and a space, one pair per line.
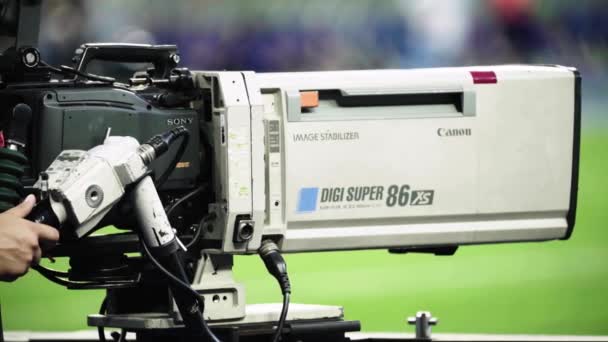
549, 288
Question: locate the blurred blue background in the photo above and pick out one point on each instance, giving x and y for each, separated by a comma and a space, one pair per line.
276, 35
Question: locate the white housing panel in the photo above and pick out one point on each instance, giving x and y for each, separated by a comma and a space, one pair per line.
401, 158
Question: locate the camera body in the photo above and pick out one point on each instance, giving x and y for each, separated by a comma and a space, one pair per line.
77, 114
398, 159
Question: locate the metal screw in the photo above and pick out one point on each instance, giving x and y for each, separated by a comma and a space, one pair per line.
175, 58
423, 322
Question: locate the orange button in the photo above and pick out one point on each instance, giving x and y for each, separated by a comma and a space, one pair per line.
309, 99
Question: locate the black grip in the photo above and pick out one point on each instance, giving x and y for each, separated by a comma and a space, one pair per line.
43, 213
164, 57
22, 115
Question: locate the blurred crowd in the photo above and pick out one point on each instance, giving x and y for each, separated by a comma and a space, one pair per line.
275, 35
279, 35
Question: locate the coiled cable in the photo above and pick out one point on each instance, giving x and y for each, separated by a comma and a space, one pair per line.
12, 166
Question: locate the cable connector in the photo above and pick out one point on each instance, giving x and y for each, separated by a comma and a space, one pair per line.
269, 252
275, 264
161, 142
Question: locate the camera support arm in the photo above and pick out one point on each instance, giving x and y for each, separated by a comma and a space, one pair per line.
84, 185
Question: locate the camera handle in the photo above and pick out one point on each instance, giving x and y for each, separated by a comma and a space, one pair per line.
163, 57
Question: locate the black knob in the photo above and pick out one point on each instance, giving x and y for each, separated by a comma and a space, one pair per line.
30, 57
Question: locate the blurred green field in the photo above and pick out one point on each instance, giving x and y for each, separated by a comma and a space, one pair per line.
551, 288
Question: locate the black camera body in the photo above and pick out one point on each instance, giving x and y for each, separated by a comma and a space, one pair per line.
72, 109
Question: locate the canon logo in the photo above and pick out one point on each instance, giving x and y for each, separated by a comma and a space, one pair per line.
179, 121
453, 132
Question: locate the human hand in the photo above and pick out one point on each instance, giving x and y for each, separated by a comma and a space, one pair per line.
21, 240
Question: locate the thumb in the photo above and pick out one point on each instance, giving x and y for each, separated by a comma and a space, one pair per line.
24, 207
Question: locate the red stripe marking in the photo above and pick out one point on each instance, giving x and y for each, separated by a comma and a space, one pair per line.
1, 139
484, 77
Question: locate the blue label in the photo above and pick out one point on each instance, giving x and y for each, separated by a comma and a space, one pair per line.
307, 201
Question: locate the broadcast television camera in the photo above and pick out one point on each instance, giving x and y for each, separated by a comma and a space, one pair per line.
422, 160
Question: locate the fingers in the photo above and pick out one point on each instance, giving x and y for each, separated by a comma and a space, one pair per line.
45, 233
24, 208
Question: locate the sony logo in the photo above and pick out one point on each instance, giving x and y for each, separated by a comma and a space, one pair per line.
179, 121
453, 132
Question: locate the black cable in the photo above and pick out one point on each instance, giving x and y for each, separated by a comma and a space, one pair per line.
102, 311
123, 335
119, 336
53, 69
282, 318
185, 287
47, 273
91, 77
69, 71
53, 278
196, 236
276, 266
185, 135
169, 209
199, 230
52, 271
